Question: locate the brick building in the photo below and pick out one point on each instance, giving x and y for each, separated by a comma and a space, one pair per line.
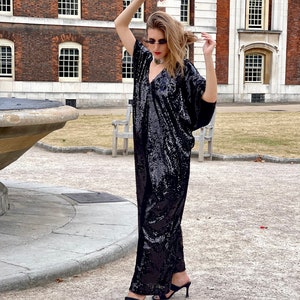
68, 50
260, 58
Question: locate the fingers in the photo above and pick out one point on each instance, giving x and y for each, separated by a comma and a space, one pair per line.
207, 37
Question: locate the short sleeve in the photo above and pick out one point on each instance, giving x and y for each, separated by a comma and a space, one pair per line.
200, 111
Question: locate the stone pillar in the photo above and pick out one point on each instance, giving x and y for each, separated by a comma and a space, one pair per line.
4, 205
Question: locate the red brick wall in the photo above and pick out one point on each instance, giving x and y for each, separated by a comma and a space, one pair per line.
293, 46
38, 9
222, 48
103, 10
107, 11
270, 14
110, 9
36, 51
192, 12
36, 46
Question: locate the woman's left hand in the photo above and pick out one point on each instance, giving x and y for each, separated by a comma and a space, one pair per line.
209, 44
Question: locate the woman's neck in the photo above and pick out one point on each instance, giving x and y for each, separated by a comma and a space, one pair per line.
158, 61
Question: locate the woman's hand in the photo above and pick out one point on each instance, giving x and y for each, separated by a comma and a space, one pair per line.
209, 44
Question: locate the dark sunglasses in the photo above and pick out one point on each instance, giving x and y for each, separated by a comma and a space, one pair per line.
159, 42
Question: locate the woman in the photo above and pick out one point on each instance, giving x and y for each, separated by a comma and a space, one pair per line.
170, 100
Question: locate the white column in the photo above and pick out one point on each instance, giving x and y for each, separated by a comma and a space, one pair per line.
280, 22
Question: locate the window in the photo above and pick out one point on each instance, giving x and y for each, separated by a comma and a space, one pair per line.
254, 67
69, 8
258, 65
6, 7
257, 14
6, 59
139, 15
70, 62
127, 67
185, 11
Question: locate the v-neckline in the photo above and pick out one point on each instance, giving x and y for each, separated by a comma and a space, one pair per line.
156, 76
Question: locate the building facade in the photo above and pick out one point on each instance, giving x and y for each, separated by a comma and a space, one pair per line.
260, 60
68, 50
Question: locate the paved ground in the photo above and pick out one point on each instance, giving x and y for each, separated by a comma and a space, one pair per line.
241, 225
55, 231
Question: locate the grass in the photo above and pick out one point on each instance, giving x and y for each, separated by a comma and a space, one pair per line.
263, 133
270, 133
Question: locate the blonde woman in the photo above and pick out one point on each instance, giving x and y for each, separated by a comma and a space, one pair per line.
170, 100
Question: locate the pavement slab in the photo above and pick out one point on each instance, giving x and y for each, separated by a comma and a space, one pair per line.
46, 234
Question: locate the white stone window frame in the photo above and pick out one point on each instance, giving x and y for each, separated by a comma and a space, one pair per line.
66, 16
185, 22
264, 17
270, 70
8, 43
71, 45
140, 10
187, 52
129, 66
10, 12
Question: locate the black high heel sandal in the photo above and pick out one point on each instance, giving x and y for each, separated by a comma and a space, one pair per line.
174, 289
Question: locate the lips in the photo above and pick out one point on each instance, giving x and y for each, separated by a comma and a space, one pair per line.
157, 53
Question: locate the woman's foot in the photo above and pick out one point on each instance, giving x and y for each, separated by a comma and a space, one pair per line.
179, 280
134, 296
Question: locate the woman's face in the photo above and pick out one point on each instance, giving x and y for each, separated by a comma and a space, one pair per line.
157, 43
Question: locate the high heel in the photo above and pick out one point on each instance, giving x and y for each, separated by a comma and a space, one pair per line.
174, 289
129, 298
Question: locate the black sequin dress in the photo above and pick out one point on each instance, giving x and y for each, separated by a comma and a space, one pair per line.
165, 112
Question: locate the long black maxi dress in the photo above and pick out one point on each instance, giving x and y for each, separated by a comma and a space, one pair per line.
165, 112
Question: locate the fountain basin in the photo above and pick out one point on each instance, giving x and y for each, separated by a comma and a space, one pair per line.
23, 122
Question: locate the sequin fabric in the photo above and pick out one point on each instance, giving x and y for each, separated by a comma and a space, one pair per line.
165, 112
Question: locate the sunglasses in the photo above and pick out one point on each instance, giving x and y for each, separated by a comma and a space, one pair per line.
159, 42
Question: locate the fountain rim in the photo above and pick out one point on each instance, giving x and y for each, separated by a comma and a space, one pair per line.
23, 117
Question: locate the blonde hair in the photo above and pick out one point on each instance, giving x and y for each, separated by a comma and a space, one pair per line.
177, 39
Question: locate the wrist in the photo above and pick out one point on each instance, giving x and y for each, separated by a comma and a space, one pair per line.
207, 55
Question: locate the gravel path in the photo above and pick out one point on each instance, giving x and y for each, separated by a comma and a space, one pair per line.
241, 226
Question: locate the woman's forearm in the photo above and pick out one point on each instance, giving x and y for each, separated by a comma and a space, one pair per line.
122, 25
210, 94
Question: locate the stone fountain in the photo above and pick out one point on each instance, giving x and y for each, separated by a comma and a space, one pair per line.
23, 122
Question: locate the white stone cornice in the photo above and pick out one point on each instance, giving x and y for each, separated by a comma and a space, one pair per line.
65, 22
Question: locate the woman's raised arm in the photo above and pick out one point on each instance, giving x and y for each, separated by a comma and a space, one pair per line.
210, 94
122, 25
